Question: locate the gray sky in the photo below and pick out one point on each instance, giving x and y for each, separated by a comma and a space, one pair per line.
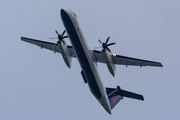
36, 84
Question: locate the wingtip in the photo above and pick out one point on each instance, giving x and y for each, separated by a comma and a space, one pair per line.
22, 38
161, 65
142, 98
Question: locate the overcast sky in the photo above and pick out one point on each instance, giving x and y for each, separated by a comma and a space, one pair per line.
36, 84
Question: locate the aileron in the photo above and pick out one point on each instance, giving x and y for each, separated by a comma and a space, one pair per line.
122, 60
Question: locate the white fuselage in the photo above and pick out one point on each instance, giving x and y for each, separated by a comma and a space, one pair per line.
85, 58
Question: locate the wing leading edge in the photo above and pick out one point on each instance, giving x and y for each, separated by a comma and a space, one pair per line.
123, 60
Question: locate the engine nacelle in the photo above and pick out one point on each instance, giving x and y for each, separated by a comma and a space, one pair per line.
65, 53
109, 61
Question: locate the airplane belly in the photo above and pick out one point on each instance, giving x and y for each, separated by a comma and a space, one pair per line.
81, 55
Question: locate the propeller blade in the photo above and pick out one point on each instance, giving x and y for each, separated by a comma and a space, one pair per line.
97, 47
65, 37
108, 49
63, 41
59, 41
107, 40
53, 38
111, 44
100, 41
63, 32
57, 32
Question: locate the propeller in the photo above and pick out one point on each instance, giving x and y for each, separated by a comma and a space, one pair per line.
60, 37
105, 45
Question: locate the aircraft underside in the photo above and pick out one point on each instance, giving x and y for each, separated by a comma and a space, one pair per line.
87, 58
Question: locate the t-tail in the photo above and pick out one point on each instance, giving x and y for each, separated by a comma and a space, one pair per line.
116, 94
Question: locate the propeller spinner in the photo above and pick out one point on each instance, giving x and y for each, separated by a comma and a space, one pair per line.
105, 44
60, 37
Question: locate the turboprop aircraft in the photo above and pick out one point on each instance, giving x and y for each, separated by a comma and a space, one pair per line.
88, 58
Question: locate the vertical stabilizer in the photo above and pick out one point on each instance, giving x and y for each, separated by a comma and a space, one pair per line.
114, 100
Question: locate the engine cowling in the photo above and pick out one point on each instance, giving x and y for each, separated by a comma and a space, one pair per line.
65, 53
109, 61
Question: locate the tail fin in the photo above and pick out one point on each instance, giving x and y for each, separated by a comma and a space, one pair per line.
116, 94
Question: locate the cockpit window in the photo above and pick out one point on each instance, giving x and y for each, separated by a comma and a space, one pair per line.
73, 13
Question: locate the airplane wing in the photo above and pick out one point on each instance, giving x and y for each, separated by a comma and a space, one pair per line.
123, 60
47, 45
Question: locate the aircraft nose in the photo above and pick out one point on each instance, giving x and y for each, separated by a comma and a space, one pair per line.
62, 11
64, 15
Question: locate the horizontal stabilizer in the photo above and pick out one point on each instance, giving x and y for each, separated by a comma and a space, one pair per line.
130, 95
116, 94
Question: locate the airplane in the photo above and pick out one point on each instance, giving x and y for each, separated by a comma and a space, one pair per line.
88, 58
